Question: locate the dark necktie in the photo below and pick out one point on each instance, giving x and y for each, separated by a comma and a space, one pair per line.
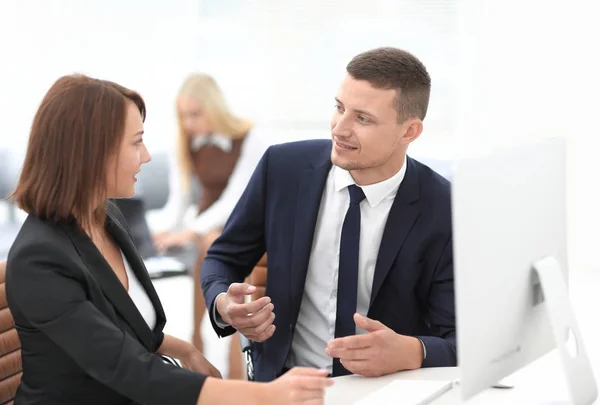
348, 273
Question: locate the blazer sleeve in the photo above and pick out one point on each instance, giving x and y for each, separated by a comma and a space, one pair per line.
233, 255
441, 349
49, 295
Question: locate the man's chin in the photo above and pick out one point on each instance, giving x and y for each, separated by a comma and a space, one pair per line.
343, 163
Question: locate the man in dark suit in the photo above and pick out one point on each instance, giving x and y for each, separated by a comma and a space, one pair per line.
358, 238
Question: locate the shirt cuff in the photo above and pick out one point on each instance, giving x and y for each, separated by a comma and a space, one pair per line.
218, 320
424, 349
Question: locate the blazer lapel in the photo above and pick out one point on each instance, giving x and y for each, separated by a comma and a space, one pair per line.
125, 242
110, 284
310, 191
402, 216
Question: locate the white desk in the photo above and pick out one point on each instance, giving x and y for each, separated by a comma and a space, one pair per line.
540, 383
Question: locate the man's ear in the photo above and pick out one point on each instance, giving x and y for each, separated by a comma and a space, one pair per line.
412, 130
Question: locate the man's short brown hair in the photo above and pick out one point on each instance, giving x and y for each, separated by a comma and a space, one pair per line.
77, 129
392, 68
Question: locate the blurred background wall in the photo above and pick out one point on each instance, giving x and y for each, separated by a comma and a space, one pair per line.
504, 72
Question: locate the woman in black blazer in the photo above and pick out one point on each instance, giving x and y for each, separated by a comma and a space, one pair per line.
88, 317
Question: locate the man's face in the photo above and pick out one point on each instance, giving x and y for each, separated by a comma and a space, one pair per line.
365, 131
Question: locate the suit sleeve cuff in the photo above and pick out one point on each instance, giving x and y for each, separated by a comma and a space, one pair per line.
424, 349
440, 352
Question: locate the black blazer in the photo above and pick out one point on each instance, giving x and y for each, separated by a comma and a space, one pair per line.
413, 289
83, 339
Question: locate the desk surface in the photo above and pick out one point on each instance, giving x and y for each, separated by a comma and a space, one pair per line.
540, 383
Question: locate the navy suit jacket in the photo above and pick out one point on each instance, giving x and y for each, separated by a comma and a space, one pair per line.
413, 285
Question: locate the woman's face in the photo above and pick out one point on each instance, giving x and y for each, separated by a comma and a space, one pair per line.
130, 157
192, 116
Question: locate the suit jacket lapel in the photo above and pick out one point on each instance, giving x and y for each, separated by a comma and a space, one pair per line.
310, 191
402, 216
109, 282
125, 242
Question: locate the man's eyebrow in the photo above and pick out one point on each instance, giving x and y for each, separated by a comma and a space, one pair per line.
365, 112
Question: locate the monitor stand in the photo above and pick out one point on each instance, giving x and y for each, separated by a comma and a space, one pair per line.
552, 289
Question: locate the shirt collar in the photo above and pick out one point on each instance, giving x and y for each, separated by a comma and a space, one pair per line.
221, 141
375, 193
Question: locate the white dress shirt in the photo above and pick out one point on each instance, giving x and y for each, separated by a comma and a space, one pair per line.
139, 296
216, 215
316, 320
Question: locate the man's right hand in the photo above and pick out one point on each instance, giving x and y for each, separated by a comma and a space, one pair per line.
253, 319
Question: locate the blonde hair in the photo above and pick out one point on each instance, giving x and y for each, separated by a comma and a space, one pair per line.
204, 89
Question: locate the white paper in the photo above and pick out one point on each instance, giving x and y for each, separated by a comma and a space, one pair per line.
407, 392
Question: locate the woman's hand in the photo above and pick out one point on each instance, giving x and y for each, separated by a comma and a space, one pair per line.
165, 240
188, 355
299, 386
197, 363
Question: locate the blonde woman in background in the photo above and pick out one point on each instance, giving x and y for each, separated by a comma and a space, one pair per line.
220, 151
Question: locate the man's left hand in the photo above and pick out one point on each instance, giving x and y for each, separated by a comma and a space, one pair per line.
379, 352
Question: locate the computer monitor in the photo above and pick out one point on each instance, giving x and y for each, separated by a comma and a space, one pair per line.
158, 265
510, 264
134, 212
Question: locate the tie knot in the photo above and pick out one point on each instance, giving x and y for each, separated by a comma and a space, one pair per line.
356, 194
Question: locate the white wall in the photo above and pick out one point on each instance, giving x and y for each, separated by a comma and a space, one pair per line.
144, 45
281, 62
503, 72
529, 70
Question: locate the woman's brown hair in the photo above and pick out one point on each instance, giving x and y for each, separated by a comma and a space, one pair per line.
77, 129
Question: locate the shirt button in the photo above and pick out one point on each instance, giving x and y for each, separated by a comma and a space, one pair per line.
290, 327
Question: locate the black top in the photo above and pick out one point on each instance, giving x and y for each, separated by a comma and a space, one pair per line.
83, 339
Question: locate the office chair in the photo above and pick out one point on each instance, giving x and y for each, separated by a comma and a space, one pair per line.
10, 347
